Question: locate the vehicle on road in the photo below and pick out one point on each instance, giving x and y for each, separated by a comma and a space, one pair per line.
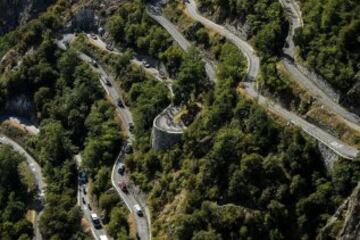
162, 75
146, 64
131, 127
95, 220
120, 103
93, 36
105, 80
121, 168
128, 149
138, 210
84, 190
103, 237
123, 187
82, 177
109, 46
89, 206
83, 200
94, 63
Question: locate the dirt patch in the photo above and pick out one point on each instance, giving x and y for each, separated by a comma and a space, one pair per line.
132, 225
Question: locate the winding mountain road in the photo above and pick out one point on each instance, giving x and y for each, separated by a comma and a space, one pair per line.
133, 197
245, 48
155, 12
342, 149
339, 147
318, 88
39, 180
124, 113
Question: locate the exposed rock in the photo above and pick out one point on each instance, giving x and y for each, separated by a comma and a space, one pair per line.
328, 156
84, 20
345, 223
351, 229
14, 13
20, 106
238, 26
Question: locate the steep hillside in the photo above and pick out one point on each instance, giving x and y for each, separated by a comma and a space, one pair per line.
330, 43
17, 12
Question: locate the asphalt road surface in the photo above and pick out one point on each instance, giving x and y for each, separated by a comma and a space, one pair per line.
316, 86
86, 206
39, 180
131, 198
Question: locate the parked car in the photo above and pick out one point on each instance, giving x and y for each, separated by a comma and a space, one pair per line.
121, 168
120, 103
95, 220
123, 187
138, 210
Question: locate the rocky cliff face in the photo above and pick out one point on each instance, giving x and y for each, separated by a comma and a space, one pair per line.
16, 12
351, 228
345, 223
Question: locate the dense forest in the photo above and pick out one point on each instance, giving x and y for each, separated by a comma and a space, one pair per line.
236, 174
329, 41
14, 197
66, 95
131, 27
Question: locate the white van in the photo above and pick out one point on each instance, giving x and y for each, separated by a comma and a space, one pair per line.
95, 220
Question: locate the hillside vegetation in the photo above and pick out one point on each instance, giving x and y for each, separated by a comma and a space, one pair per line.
14, 197
238, 174
329, 41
